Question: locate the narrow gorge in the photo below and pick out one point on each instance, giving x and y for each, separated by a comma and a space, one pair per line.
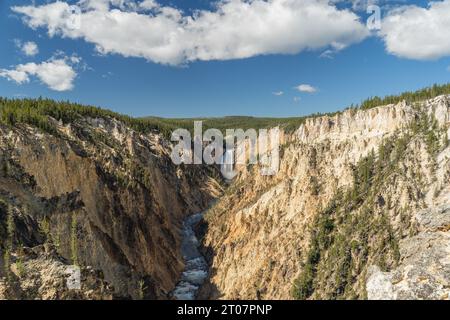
360, 209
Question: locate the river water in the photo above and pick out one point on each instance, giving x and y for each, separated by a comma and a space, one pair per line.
196, 268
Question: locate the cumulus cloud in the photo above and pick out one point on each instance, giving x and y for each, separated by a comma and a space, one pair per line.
418, 33
278, 93
235, 29
306, 88
57, 73
18, 75
30, 48
148, 4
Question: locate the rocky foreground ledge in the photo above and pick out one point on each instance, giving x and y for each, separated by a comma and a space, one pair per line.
41, 273
424, 271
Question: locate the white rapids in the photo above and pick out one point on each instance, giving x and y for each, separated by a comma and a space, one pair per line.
196, 268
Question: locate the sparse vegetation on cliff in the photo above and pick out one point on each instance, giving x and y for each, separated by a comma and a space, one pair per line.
356, 227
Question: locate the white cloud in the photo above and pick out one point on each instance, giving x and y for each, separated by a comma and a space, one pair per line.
18, 75
418, 33
236, 29
148, 4
297, 99
278, 93
306, 88
56, 73
30, 48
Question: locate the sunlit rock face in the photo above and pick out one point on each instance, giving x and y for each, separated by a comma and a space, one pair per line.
259, 234
424, 272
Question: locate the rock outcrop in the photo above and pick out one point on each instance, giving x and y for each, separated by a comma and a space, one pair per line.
424, 269
40, 273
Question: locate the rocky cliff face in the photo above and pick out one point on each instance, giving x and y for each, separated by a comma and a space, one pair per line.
103, 197
424, 270
344, 202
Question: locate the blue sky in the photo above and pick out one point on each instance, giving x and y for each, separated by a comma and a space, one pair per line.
230, 82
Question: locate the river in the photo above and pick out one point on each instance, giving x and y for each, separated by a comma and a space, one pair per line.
196, 268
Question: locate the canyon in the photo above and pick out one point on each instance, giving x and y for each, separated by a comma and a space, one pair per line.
359, 209
97, 195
